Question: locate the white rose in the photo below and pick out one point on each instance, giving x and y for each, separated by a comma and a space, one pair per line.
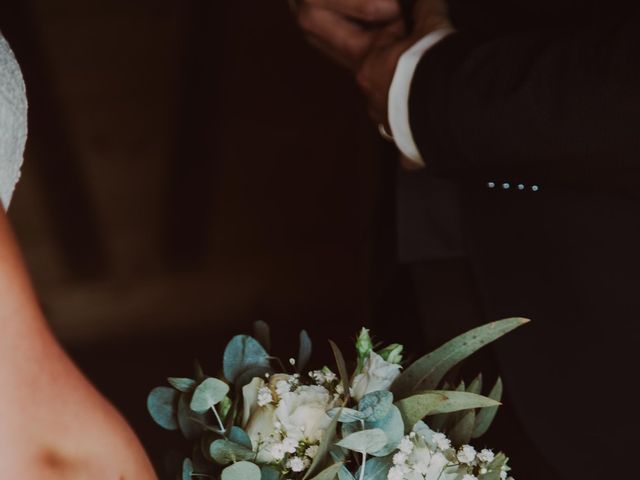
377, 374
258, 422
303, 412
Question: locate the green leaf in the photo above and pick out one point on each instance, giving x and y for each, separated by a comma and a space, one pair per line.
486, 415
304, 352
339, 455
346, 414
376, 405
269, 472
376, 468
428, 371
187, 469
368, 441
329, 473
345, 474
207, 394
326, 443
418, 406
262, 334
342, 367
239, 436
162, 404
243, 353
476, 385
185, 385
192, 424
225, 407
225, 452
364, 345
393, 427
460, 433
241, 471
392, 353
434, 402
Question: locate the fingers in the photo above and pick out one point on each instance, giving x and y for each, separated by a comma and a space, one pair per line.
336, 36
366, 11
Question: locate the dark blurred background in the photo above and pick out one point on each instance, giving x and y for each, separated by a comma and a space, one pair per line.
193, 166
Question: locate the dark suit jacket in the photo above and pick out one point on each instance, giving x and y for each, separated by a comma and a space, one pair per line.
533, 111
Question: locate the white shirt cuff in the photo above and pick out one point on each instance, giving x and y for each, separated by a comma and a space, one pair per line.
399, 95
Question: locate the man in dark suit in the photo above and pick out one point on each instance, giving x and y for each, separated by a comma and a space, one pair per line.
528, 114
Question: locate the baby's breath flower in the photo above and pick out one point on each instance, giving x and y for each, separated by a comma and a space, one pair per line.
318, 376
339, 389
290, 445
296, 464
466, 454
311, 451
277, 451
486, 456
282, 387
441, 441
406, 445
395, 473
329, 375
399, 458
264, 396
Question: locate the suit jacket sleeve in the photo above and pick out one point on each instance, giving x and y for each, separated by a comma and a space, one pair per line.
552, 107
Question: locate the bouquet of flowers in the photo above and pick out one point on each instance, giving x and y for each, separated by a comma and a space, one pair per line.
272, 420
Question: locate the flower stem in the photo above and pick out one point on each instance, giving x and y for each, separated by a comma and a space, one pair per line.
222, 429
364, 460
364, 456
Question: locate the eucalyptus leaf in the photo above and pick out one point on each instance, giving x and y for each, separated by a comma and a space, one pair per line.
185, 385
225, 452
249, 374
486, 415
208, 394
304, 352
191, 424
376, 468
346, 414
329, 473
243, 353
427, 372
239, 436
393, 427
187, 469
376, 405
241, 471
345, 474
342, 367
269, 472
162, 404
262, 333
367, 441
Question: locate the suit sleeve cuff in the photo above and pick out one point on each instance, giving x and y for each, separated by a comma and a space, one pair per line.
398, 101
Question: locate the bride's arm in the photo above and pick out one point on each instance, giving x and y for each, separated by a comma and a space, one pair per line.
53, 423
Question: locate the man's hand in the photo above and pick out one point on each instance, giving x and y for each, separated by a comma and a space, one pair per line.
368, 37
348, 30
376, 71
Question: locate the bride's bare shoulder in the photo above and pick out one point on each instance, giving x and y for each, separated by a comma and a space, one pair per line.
54, 424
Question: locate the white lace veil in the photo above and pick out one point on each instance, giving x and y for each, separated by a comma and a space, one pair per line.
13, 121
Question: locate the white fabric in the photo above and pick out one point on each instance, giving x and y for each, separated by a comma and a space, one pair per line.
399, 96
13, 122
